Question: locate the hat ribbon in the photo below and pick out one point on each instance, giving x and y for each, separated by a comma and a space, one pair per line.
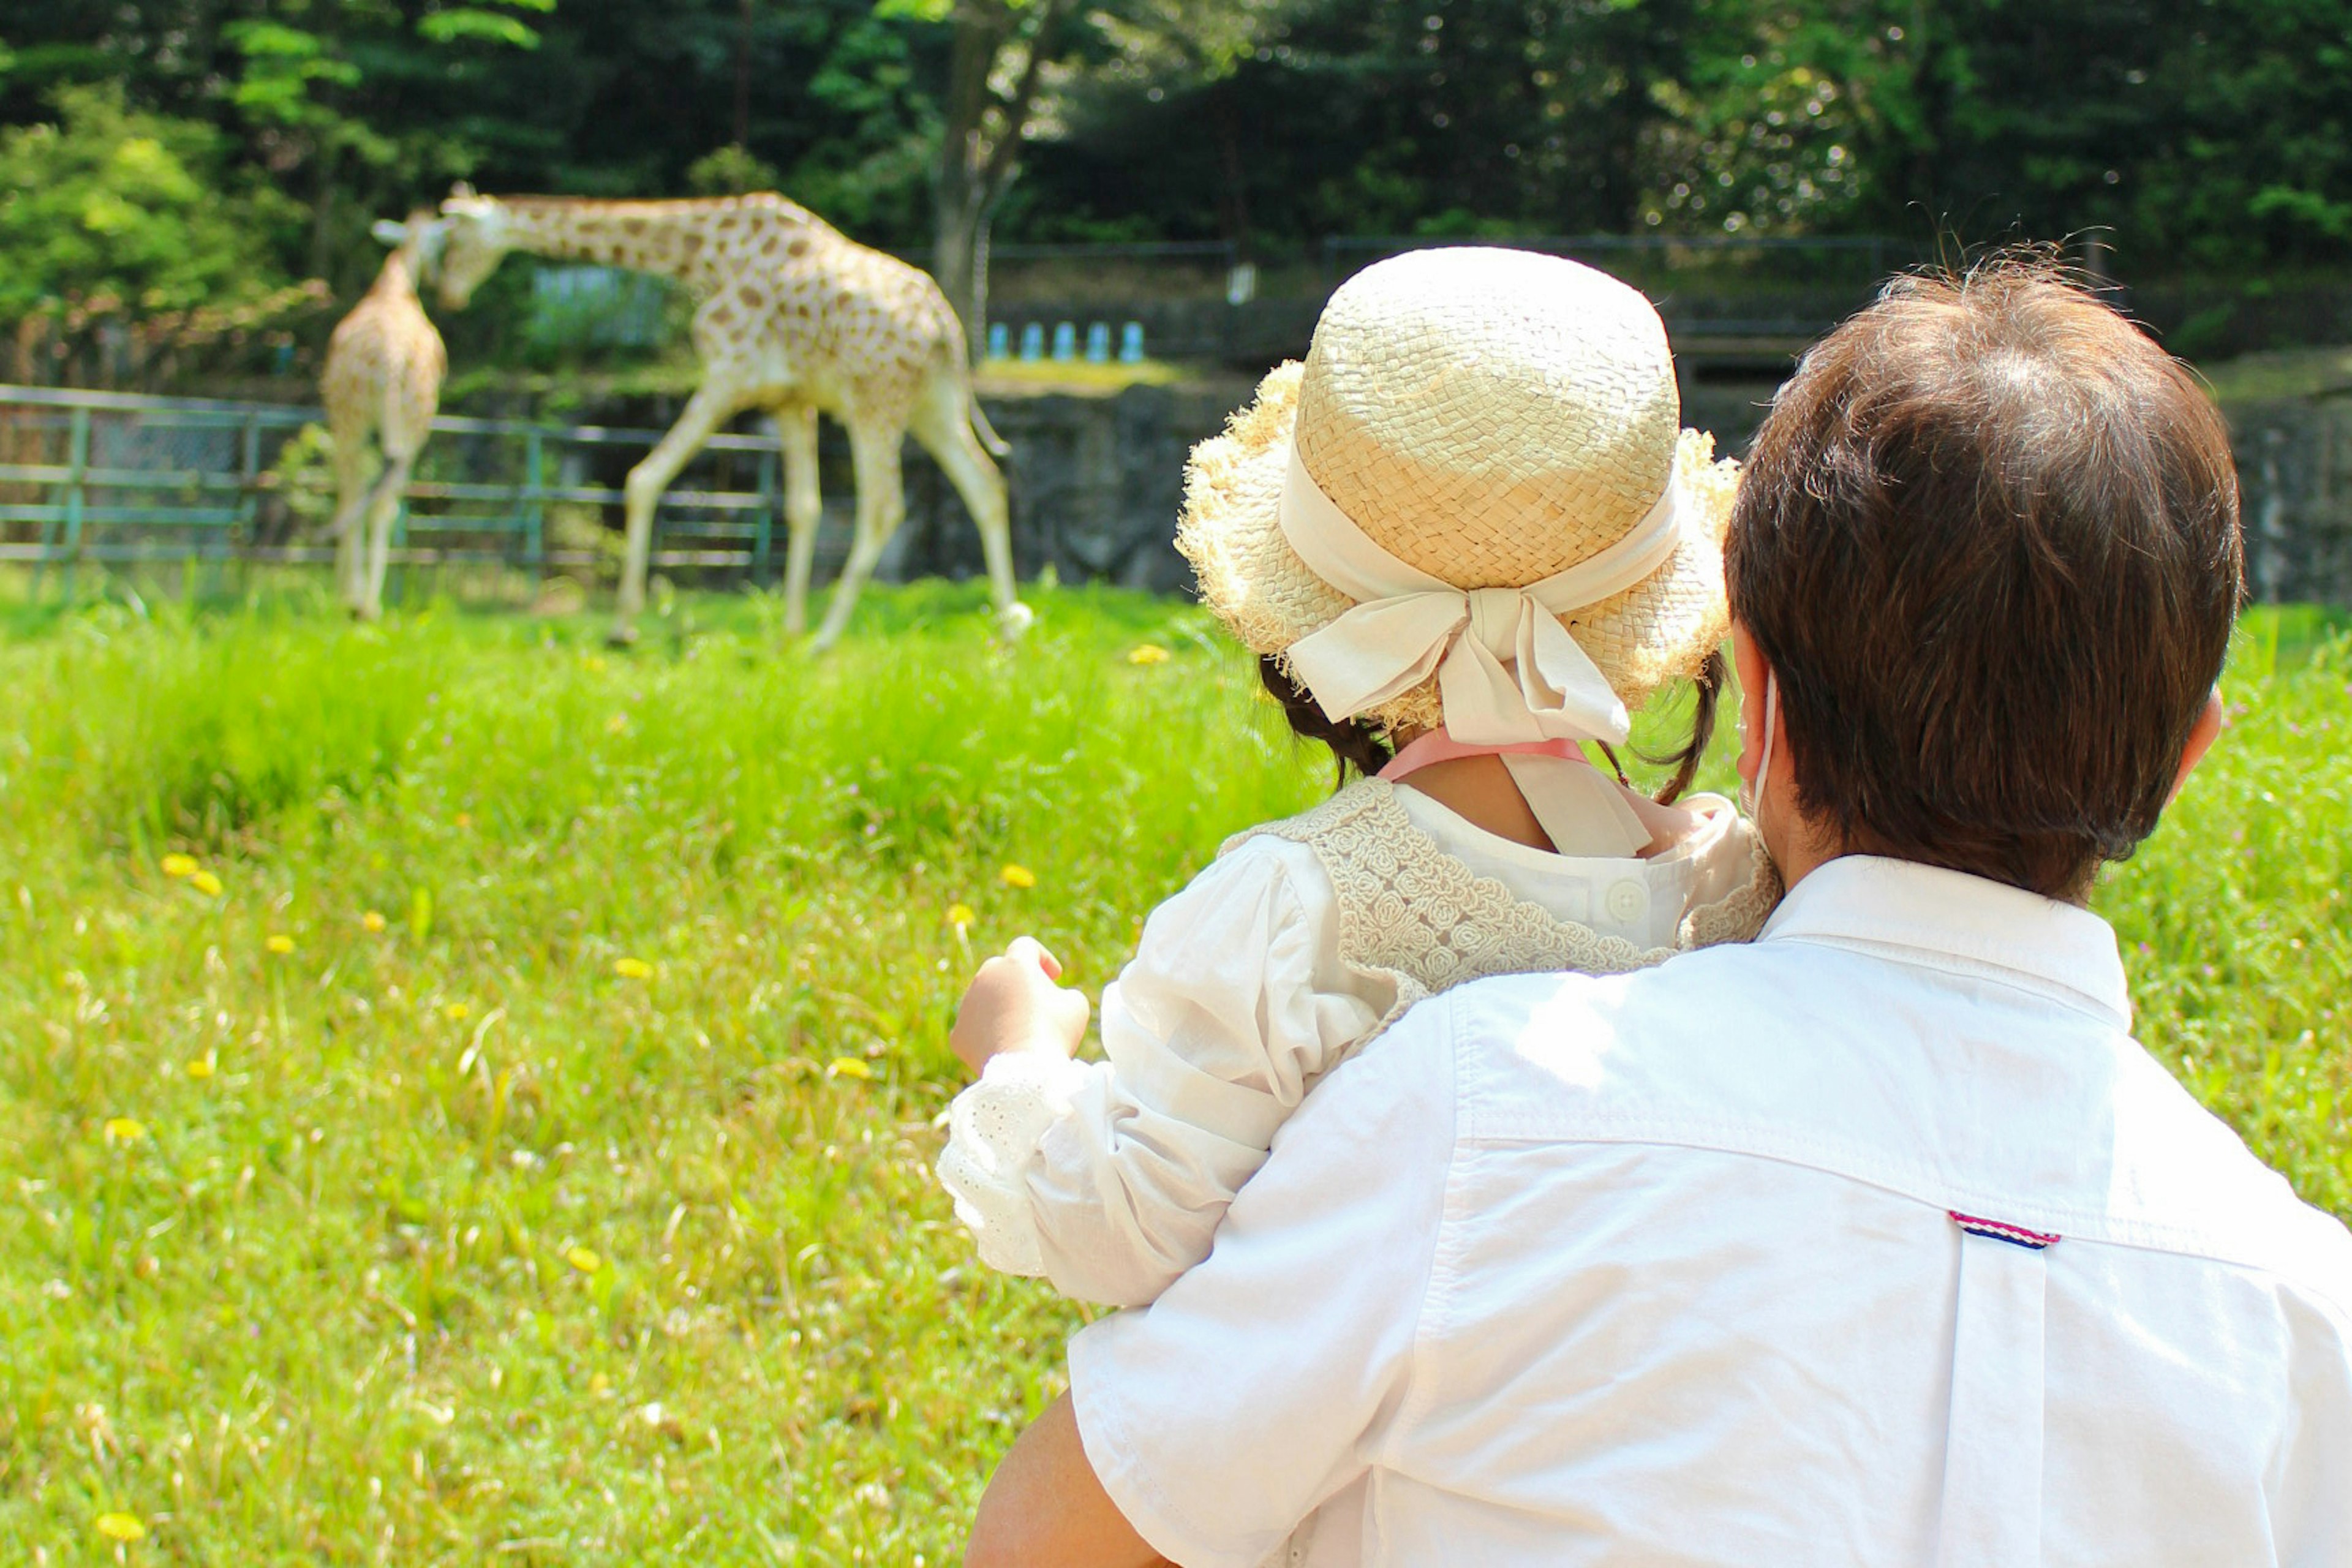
1507, 669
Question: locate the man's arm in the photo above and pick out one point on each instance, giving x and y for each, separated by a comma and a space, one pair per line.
1206, 1426
1045, 1508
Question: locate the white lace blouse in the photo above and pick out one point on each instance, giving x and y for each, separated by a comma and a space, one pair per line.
1297, 945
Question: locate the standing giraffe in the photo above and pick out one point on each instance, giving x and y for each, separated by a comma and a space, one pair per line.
795, 318
383, 379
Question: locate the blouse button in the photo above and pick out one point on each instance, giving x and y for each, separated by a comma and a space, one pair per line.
1628, 902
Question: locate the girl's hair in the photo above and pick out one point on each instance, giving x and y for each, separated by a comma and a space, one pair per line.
1357, 744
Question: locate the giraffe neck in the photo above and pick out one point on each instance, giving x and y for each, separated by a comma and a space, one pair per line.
671, 240
397, 277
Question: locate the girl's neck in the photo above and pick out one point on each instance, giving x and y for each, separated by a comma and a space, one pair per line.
1481, 791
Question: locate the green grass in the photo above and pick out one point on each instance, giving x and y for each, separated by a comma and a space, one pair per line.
451, 1241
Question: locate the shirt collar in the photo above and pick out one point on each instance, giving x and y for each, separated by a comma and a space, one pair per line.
1951, 920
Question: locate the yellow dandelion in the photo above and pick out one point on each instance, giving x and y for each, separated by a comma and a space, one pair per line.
961, 916
202, 1067
371, 922
849, 1066
278, 942
179, 866
123, 1527
204, 882
618, 724
1018, 876
456, 1012
632, 969
595, 664
583, 1259
124, 1130
1147, 653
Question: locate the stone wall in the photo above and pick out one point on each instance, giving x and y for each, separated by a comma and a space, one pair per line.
2294, 474
1096, 481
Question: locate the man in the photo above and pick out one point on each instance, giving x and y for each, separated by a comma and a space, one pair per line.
1876, 1241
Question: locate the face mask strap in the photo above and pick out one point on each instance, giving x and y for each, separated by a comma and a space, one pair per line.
1754, 794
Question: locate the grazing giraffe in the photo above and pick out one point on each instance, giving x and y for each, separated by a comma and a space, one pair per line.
383, 379
794, 318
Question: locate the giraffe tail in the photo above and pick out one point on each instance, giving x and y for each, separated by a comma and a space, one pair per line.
996, 444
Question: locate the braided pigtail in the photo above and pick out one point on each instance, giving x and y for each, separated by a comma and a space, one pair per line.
1354, 743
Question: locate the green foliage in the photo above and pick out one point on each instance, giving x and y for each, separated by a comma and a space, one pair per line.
576, 1205
112, 200
730, 171
2236, 919
2210, 139
546, 1248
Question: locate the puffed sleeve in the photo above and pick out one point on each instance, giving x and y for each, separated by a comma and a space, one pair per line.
1109, 1177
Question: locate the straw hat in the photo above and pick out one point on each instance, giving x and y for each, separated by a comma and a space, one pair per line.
1489, 418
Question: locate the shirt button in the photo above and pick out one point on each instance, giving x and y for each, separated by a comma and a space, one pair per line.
1628, 902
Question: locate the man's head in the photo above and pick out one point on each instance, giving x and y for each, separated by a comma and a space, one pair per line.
1988, 545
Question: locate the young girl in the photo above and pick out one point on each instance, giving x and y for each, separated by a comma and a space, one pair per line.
1463, 537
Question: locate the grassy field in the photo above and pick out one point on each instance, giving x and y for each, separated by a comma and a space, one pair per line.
505, 1136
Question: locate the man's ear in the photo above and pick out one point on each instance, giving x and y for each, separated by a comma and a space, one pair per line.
1749, 660
2201, 736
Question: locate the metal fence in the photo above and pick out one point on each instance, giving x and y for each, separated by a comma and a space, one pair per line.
104, 477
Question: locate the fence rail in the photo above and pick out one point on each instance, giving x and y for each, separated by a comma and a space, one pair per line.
120, 477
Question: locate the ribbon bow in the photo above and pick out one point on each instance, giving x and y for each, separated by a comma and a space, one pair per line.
1507, 669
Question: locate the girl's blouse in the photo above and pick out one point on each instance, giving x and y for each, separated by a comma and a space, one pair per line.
1263, 974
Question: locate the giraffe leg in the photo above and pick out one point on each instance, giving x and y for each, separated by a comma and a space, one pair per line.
383, 507
881, 508
350, 507
944, 424
712, 405
796, 433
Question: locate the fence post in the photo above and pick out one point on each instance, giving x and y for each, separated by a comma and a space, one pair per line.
398, 545
763, 531
534, 505
248, 474
248, 503
76, 465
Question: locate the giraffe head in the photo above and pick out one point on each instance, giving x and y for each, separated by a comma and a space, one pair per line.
477, 241
420, 239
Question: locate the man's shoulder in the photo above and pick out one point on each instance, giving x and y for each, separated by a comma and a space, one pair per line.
2050, 1117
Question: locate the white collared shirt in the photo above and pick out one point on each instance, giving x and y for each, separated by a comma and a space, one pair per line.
1665, 1268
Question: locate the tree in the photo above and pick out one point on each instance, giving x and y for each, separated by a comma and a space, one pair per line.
306, 71
1011, 66
108, 204
997, 69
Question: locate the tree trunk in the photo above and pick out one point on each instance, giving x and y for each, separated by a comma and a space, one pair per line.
977, 163
958, 260
1235, 201
322, 211
743, 78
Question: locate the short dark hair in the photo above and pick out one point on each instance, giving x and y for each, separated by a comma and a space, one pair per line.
1988, 540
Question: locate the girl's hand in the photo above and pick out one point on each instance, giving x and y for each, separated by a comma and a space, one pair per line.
1012, 1004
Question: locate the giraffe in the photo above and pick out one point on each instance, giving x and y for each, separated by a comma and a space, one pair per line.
793, 318
382, 378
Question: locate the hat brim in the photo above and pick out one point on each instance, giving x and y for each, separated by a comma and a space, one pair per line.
1659, 630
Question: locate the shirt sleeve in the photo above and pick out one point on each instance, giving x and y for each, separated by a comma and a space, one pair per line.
1236, 1002
1264, 1380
